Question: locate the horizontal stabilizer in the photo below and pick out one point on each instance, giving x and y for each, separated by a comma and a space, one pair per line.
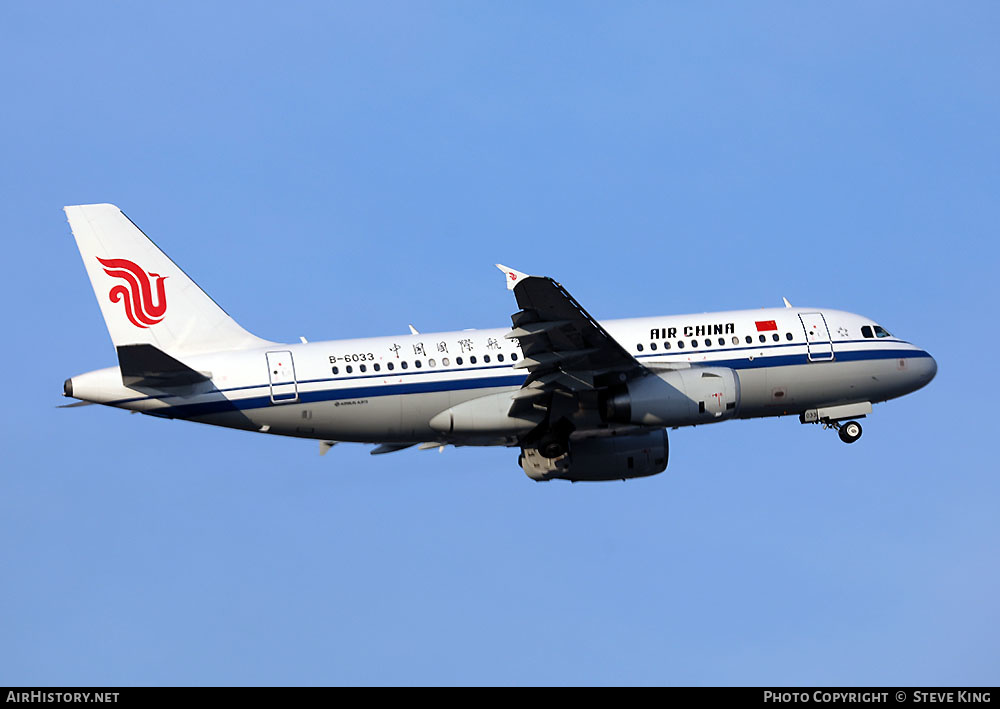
145, 365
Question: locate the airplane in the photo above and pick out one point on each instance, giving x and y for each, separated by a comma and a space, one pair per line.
583, 400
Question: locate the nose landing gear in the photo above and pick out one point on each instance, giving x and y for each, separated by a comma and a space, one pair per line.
839, 418
848, 432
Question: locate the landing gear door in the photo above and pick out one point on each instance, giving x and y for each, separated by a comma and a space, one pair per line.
281, 371
818, 340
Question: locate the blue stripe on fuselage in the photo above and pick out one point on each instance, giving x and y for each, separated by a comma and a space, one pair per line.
309, 397
207, 408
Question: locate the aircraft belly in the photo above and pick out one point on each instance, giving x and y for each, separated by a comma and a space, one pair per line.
419, 409
775, 391
753, 391
405, 418
370, 419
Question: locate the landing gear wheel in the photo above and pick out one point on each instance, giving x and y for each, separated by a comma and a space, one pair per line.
850, 432
552, 448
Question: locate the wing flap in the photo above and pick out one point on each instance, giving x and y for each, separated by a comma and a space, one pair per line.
555, 332
569, 356
384, 448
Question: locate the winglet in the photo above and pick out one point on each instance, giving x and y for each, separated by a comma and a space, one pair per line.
513, 277
787, 304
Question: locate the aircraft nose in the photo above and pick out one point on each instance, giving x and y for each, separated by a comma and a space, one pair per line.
925, 370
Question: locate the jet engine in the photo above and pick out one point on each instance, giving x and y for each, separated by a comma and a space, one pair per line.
609, 457
677, 397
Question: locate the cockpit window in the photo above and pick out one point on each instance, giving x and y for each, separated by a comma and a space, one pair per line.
866, 331
881, 332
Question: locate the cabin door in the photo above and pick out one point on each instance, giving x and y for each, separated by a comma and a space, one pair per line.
818, 339
281, 372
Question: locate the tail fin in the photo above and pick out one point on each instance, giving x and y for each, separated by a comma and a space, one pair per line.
144, 297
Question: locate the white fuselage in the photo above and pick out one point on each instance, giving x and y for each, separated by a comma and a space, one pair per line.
388, 389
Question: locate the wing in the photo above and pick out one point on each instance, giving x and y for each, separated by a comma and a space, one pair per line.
571, 359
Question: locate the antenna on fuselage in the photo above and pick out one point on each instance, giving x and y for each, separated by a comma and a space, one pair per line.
785, 301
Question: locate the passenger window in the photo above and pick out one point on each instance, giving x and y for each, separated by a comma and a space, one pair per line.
391, 366
749, 340
866, 331
722, 342
881, 332
472, 359
486, 359
431, 363
652, 346
762, 338
775, 337
418, 364
736, 340
403, 364
680, 344
500, 358
788, 336
445, 362
666, 345
694, 343
349, 369
639, 348
458, 361
708, 342
377, 367
364, 368
513, 356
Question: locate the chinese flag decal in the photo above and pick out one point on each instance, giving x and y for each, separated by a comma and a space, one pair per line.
766, 325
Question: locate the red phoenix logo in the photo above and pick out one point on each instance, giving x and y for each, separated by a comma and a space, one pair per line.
138, 293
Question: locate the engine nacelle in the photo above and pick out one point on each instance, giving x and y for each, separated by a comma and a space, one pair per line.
620, 457
677, 397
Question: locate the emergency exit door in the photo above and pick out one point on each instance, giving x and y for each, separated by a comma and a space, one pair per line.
818, 340
281, 372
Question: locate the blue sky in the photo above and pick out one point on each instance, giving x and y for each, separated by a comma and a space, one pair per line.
340, 170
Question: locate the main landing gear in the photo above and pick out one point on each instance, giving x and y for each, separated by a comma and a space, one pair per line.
553, 447
555, 442
848, 432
